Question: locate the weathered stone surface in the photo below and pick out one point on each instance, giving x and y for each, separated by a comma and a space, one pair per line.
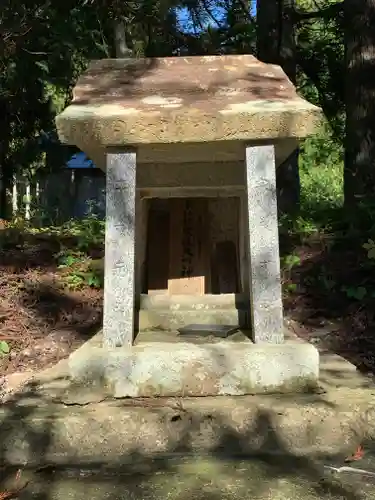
266, 301
197, 152
119, 267
56, 434
207, 334
205, 302
187, 369
169, 319
209, 98
48, 423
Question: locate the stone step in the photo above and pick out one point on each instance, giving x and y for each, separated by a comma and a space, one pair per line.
194, 302
170, 319
329, 426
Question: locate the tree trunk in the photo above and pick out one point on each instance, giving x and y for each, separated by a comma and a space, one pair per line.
121, 47
6, 172
5, 185
276, 45
359, 172
268, 30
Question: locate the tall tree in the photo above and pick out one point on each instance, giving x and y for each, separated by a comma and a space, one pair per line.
276, 45
320, 58
41, 54
359, 173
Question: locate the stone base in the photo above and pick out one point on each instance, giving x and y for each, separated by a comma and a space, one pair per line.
152, 369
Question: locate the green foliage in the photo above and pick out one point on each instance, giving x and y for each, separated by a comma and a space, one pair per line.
290, 261
290, 287
320, 56
356, 293
88, 232
370, 247
77, 270
81, 241
341, 234
80, 244
321, 166
321, 174
4, 348
77, 266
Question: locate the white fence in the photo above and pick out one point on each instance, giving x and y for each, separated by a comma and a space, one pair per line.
54, 198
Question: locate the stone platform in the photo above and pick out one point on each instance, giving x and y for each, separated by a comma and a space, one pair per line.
169, 366
50, 420
163, 362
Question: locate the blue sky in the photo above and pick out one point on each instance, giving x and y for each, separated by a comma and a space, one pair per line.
186, 21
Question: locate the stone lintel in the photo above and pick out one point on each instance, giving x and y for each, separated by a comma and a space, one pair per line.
172, 155
119, 269
265, 283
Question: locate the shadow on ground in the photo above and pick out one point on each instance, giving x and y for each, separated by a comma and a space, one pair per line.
55, 307
251, 461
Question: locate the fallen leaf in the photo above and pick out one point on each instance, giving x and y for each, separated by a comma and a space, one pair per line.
357, 455
7, 495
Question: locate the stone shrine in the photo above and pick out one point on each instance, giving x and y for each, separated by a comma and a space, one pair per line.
192, 294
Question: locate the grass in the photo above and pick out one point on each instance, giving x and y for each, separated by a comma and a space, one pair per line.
321, 190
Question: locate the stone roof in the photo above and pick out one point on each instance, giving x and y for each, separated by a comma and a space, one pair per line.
186, 99
176, 82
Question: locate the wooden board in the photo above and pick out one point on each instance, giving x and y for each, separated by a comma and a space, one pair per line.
157, 251
224, 231
225, 267
189, 268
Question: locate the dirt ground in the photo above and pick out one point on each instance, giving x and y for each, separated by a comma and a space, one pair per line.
43, 320
322, 308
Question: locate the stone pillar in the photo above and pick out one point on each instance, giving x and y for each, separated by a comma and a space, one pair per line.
119, 268
265, 283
